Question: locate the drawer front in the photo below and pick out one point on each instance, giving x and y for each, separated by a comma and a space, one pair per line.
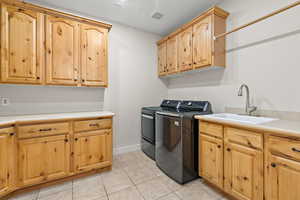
244, 137
9, 130
211, 129
90, 125
283, 147
39, 130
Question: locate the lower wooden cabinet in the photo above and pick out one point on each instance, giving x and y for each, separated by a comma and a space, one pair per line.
43, 159
7, 138
92, 150
282, 171
211, 159
243, 172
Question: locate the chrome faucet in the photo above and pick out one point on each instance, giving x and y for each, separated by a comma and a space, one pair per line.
249, 109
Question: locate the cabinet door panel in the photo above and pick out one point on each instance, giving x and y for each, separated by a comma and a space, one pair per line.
43, 159
282, 179
172, 55
62, 38
202, 43
243, 171
185, 54
211, 159
92, 150
93, 55
58, 154
162, 59
22, 58
6, 161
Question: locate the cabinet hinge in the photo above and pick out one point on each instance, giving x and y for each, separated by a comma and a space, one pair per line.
8, 175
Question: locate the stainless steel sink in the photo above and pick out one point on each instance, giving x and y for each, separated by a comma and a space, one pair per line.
241, 118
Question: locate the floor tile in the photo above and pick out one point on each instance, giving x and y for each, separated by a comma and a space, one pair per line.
194, 191
140, 174
130, 193
153, 189
62, 195
88, 191
26, 196
89, 180
55, 188
171, 196
115, 180
172, 185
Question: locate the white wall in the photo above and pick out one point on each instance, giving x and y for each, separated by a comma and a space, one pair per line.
133, 83
265, 56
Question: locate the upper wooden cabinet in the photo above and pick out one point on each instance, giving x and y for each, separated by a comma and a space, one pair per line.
93, 55
22, 52
195, 42
162, 59
172, 55
62, 51
202, 43
7, 155
43, 46
185, 52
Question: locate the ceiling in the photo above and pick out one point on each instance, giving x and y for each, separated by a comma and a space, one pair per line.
135, 13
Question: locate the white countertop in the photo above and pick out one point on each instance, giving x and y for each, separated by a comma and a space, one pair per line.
285, 127
7, 120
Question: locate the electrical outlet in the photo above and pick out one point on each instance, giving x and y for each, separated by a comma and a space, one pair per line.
5, 101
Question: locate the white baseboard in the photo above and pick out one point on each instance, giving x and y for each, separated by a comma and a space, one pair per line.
126, 149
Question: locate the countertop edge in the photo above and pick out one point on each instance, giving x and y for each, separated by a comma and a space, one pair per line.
51, 117
265, 127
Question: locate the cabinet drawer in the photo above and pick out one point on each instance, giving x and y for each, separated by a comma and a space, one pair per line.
244, 137
211, 129
39, 130
90, 125
9, 130
283, 147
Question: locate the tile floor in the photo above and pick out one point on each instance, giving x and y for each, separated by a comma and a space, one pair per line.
134, 177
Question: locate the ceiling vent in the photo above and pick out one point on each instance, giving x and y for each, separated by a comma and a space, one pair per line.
157, 15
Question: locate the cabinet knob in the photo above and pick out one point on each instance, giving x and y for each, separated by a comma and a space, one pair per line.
273, 165
38, 78
83, 80
76, 139
219, 146
295, 150
228, 149
12, 134
195, 63
66, 140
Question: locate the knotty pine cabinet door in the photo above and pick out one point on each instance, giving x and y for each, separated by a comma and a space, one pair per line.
7, 164
43, 159
282, 178
62, 53
22, 52
243, 172
211, 159
162, 59
93, 55
172, 55
92, 150
185, 52
202, 43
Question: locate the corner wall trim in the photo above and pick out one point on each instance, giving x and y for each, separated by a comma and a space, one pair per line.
126, 149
